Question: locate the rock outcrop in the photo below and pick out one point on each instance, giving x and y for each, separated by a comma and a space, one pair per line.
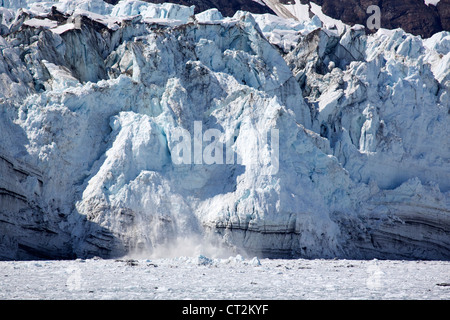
227, 8
413, 16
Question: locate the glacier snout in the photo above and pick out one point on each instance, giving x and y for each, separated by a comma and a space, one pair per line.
131, 132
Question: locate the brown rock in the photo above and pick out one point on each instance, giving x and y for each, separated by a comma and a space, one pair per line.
443, 8
413, 16
227, 8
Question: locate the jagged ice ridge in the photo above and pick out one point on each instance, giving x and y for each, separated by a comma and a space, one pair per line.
92, 94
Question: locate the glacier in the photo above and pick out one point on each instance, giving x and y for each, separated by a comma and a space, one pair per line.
92, 97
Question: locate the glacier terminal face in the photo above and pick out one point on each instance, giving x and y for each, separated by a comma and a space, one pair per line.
142, 128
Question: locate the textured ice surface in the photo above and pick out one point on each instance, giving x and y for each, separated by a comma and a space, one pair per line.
91, 111
225, 278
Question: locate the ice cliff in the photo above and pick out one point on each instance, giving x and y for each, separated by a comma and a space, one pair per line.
324, 142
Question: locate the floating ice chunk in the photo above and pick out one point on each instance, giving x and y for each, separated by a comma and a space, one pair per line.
255, 262
204, 261
236, 259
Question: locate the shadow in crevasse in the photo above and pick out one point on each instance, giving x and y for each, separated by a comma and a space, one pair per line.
31, 229
30, 232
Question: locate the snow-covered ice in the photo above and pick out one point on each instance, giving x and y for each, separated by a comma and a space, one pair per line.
233, 278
